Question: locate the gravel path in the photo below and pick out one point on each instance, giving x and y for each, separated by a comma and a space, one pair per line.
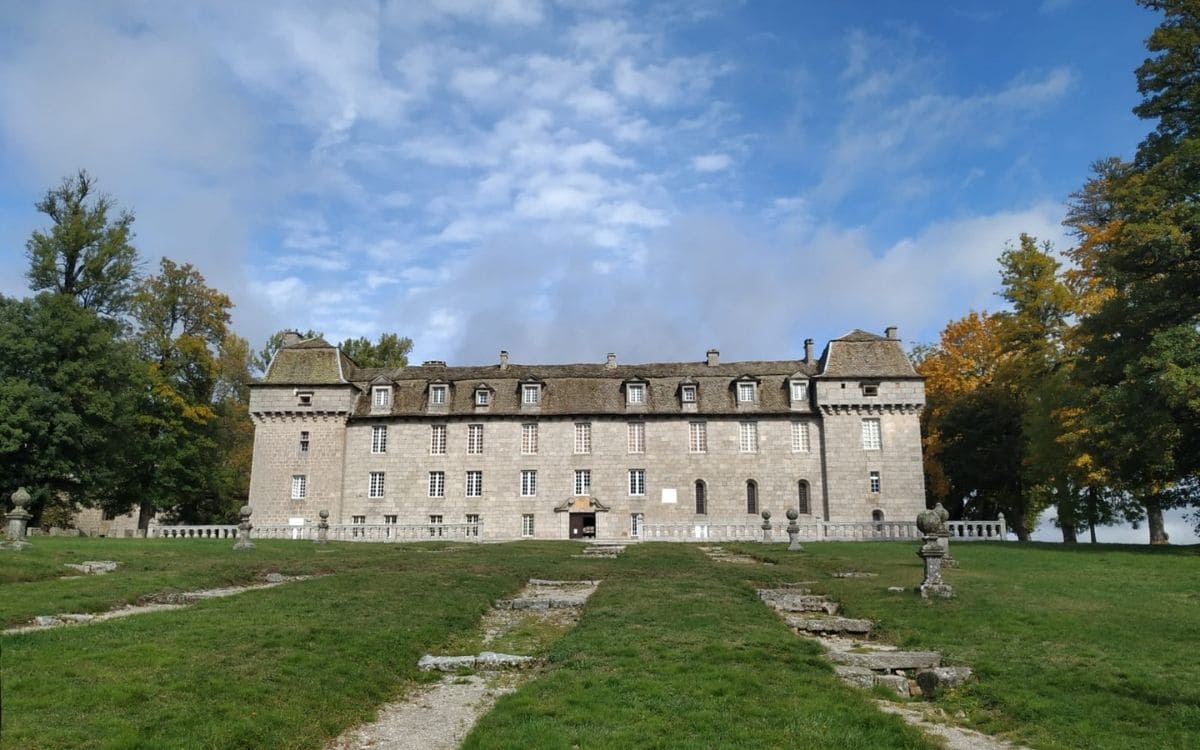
926, 718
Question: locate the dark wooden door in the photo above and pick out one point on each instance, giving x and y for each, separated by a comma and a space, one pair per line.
583, 525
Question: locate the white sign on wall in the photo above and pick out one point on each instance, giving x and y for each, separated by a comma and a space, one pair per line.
668, 495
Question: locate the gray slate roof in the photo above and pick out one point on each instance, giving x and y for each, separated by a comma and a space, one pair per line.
578, 389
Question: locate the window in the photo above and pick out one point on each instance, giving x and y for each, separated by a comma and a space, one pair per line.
799, 391
375, 490
437, 394
637, 482
472, 524
526, 524
637, 437
531, 394
435, 525
483, 397
358, 521
381, 396
474, 484
437, 439
636, 393
748, 437
800, 437
583, 482
437, 484
583, 437
528, 482
474, 438
529, 439
870, 389
751, 496
299, 486
304, 441
390, 520
802, 498
698, 437
687, 394
635, 525
745, 392
701, 497
379, 439
304, 398
874, 477
870, 434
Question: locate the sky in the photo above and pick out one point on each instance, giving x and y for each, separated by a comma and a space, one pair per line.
567, 179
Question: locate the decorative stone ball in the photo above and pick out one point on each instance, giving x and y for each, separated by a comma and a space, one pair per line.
792, 514
20, 498
324, 514
766, 514
245, 511
929, 522
942, 512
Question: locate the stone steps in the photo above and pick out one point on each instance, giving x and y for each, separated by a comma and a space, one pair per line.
798, 600
888, 661
814, 625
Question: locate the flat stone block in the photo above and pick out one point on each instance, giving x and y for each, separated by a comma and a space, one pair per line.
889, 660
431, 663
493, 660
829, 624
933, 681
856, 676
894, 682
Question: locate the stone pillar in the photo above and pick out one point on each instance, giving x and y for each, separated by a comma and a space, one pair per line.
18, 519
766, 526
944, 537
793, 531
931, 553
243, 537
323, 526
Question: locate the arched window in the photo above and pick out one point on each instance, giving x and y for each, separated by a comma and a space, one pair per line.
802, 498
877, 517
701, 498
751, 496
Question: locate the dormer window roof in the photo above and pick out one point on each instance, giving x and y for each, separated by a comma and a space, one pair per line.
689, 391
381, 397
531, 392
746, 389
798, 386
439, 393
636, 390
483, 394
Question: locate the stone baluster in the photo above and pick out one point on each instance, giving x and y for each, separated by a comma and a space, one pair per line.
944, 537
18, 519
322, 527
243, 540
931, 553
766, 527
793, 531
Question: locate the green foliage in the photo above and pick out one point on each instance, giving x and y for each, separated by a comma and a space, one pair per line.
86, 255
70, 394
390, 351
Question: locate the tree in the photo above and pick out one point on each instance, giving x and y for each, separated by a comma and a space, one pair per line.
70, 394
86, 254
1139, 227
182, 331
391, 351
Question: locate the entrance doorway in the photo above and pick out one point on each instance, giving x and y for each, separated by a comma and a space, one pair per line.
583, 525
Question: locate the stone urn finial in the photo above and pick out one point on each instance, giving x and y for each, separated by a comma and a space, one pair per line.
766, 526
243, 536
17, 518
793, 530
929, 522
792, 514
322, 527
20, 498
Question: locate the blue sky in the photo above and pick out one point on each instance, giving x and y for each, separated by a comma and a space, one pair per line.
566, 179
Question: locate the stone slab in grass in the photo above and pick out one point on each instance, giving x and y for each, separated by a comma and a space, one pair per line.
888, 660
829, 624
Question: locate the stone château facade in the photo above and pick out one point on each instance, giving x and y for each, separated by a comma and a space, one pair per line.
573, 451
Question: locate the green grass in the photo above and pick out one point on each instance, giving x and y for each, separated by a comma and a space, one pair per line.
1084, 648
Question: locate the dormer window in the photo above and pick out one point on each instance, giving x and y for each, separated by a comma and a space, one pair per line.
635, 393
381, 397
687, 394
437, 395
799, 391
870, 389
483, 397
746, 392
531, 394
304, 398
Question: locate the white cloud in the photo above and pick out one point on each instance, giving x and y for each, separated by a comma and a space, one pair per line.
711, 162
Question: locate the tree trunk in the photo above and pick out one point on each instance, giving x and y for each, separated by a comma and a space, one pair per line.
1154, 520
1068, 532
1091, 500
1018, 526
145, 513
1066, 513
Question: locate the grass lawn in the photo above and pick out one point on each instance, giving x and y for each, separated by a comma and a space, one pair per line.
1074, 648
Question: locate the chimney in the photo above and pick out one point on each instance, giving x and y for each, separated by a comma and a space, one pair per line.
290, 338
890, 332
808, 351
434, 363
612, 360
503, 359
714, 357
